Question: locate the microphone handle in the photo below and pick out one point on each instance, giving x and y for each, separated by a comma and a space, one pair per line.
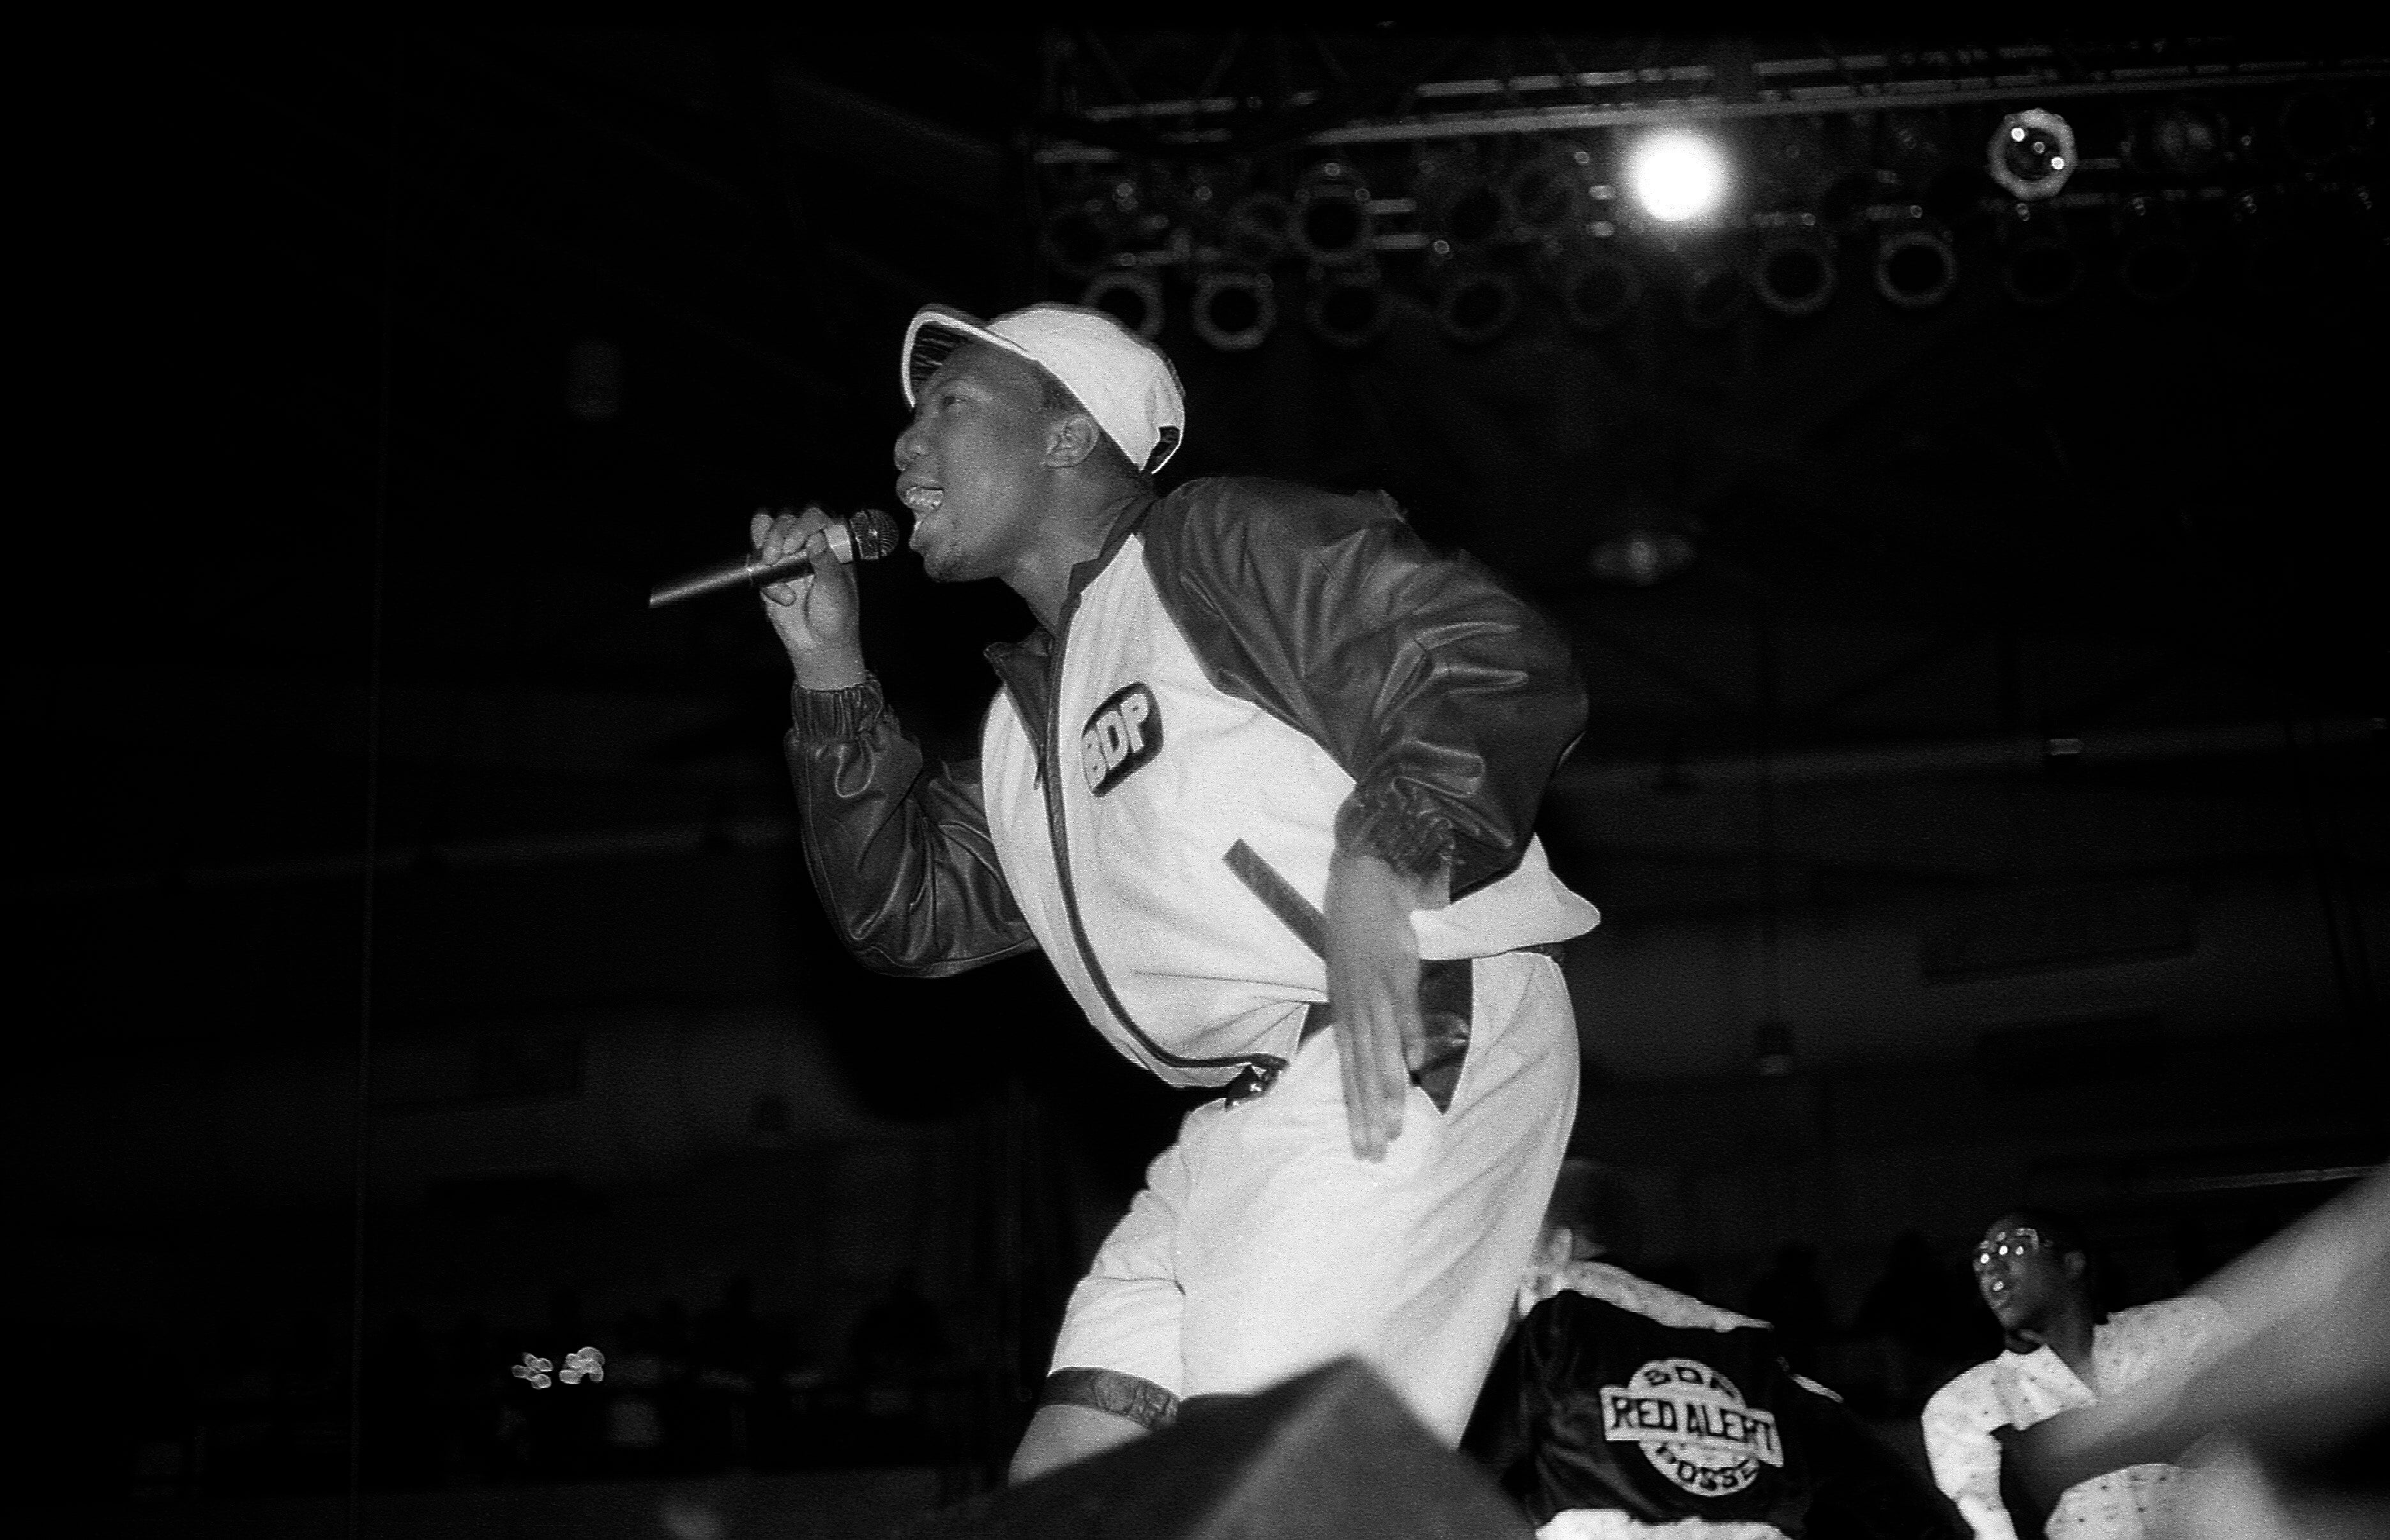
752, 571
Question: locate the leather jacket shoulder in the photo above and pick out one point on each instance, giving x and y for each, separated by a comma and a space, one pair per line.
1448, 697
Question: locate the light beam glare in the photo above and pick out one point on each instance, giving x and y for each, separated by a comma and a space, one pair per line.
1677, 176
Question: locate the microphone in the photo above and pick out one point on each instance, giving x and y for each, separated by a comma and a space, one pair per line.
866, 536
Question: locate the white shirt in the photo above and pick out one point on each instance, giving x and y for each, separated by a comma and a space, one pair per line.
2017, 1389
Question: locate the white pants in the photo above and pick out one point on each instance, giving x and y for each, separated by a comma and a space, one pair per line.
1262, 1246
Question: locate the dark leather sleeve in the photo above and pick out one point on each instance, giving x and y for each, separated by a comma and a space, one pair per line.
900, 854
1561, 1461
1446, 698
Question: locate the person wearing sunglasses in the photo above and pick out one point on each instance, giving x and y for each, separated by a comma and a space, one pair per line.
2034, 1272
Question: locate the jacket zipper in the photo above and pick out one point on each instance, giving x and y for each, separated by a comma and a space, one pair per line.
1062, 840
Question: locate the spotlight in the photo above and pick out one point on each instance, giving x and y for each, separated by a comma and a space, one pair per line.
1256, 231
1714, 294
2041, 267
1131, 296
1474, 306
2156, 266
1599, 290
2032, 153
1234, 312
1332, 224
1080, 236
1795, 273
1677, 176
1915, 268
1346, 307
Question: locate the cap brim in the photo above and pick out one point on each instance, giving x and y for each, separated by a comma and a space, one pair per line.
936, 331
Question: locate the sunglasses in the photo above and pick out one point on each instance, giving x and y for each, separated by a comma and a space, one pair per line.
2016, 1243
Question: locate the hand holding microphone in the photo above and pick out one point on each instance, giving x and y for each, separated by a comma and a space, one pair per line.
799, 562
867, 536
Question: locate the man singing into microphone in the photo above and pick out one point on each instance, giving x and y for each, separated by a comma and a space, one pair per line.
1260, 784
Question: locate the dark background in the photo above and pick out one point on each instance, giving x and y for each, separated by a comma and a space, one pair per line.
414, 963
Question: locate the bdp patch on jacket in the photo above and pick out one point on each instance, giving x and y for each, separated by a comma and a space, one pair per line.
1125, 732
1693, 1425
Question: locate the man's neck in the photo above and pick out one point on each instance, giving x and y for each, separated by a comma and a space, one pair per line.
1078, 523
2066, 1331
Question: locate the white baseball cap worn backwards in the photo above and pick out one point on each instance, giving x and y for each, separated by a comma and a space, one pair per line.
1124, 381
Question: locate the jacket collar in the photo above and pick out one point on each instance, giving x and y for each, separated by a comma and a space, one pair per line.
1021, 664
1121, 521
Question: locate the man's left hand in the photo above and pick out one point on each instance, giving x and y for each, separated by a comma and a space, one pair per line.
1373, 977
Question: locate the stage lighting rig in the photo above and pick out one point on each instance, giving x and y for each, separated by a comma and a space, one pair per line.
1914, 145
1546, 190
2314, 247
1333, 225
1080, 237
1234, 312
1474, 304
1678, 176
1795, 272
1462, 208
1915, 266
1346, 306
2267, 241
2039, 266
1641, 558
1790, 164
2154, 263
1598, 290
1640, 542
1131, 296
2032, 154
1714, 293
2185, 139
2316, 127
1257, 229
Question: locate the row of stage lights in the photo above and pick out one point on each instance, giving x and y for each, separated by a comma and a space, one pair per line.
1671, 207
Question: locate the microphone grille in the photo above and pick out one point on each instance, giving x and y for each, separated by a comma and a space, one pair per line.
875, 532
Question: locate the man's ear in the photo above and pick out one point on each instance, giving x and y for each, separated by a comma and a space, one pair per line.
1071, 437
2075, 1263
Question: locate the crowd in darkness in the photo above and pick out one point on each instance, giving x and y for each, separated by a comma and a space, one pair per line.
728, 1390
723, 1388
682, 1394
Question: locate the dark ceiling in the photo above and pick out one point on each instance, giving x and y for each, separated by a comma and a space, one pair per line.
365, 573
